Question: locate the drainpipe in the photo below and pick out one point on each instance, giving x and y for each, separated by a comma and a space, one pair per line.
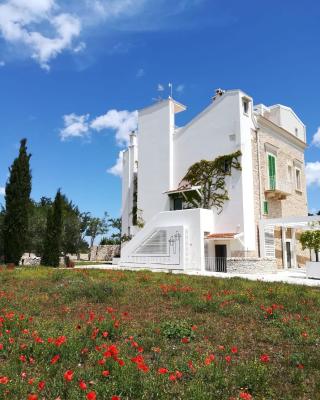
259, 178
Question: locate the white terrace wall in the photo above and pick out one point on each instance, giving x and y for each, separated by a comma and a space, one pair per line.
222, 129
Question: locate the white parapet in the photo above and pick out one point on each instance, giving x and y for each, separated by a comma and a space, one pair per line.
172, 240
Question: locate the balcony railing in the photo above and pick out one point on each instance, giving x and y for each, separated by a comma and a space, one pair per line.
216, 264
277, 188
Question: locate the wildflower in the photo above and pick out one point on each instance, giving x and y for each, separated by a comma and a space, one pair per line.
1, 346
245, 396
106, 372
91, 396
4, 380
54, 359
41, 385
82, 385
172, 377
300, 366
185, 340
32, 397
264, 358
22, 358
68, 375
115, 398
228, 359
162, 371
234, 350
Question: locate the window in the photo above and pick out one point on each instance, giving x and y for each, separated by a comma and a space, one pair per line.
298, 179
296, 131
290, 177
227, 166
245, 105
272, 171
265, 208
177, 203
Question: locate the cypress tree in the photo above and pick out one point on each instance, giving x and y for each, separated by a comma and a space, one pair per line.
17, 199
53, 237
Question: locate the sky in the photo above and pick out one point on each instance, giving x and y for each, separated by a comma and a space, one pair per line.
74, 72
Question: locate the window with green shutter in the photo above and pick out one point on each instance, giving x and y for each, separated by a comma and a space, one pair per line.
272, 171
265, 207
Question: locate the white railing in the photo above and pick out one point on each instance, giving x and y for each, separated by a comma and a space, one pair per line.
216, 264
274, 183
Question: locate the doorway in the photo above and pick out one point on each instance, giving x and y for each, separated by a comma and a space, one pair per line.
288, 252
221, 257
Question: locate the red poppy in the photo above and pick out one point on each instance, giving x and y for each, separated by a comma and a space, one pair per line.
162, 371
264, 358
32, 397
185, 340
106, 373
1, 346
4, 380
41, 385
245, 396
115, 398
234, 350
54, 359
68, 375
228, 359
82, 385
91, 396
23, 358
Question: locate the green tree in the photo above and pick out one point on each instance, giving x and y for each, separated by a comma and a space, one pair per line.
311, 240
96, 227
210, 176
17, 207
37, 225
53, 238
115, 224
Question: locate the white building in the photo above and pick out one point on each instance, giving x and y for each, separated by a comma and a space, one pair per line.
166, 234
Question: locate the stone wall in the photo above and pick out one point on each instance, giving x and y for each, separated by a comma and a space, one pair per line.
104, 253
251, 265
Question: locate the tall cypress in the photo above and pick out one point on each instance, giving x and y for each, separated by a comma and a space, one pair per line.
53, 237
17, 199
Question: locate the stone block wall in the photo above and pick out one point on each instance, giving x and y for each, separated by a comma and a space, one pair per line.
104, 253
253, 265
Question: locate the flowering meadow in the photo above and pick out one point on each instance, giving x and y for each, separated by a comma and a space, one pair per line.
78, 334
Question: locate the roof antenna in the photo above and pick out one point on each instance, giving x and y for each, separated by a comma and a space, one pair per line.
171, 89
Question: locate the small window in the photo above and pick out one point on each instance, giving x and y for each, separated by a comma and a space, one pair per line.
265, 208
296, 131
227, 167
245, 105
177, 203
290, 177
298, 179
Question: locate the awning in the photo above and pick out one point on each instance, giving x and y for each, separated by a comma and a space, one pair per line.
183, 189
219, 236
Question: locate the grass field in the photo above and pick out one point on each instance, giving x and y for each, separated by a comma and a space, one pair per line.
77, 334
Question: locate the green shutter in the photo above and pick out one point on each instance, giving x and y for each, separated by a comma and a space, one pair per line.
265, 207
272, 171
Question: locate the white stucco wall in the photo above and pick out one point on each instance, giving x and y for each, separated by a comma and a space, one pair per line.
222, 129
195, 223
288, 120
155, 165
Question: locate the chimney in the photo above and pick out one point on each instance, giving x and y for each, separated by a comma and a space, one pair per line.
219, 93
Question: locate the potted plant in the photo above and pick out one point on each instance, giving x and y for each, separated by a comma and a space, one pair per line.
311, 240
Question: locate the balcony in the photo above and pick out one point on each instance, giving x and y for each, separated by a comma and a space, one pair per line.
277, 190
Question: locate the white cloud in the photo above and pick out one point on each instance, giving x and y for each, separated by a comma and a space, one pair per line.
122, 122
313, 173
39, 26
117, 168
2, 191
160, 87
180, 88
140, 73
316, 138
75, 126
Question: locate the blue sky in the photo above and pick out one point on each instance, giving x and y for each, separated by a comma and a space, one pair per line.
72, 74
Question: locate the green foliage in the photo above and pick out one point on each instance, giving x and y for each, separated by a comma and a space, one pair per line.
210, 175
177, 330
96, 227
16, 218
311, 240
53, 237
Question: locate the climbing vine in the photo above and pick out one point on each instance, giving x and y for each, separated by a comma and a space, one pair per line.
210, 176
